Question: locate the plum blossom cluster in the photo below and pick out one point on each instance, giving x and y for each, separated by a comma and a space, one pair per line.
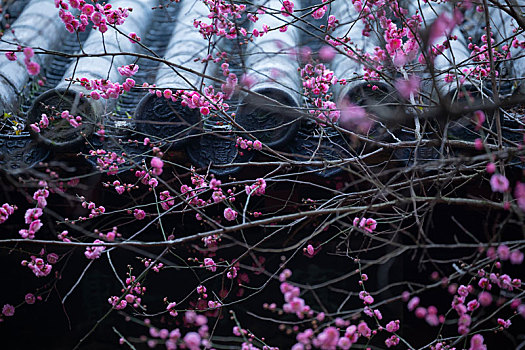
146, 178
63, 236
480, 55
33, 68
401, 43
231, 83
110, 236
128, 70
172, 309
222, 14
192, 340
102, 88
132, 294
368, 299
156, 165
154, 266
320, 11
257, 189
458, 304
316, 83
246, 144
194, 193
211, 242
465, 308
210, 264
107, 160
232, 271
504, 253
32, 215
500, 183
210, 100
342, 334
430, 314
331, 338
167, 200
293, 303
287, 8
503, 281
38, 266
218, 194
368, 225
74, 121
395, 50
94, 210
32, 219
5, 211
95, 251
120, 188
40, 195
206, 103
42, 124
213, 304
97, 15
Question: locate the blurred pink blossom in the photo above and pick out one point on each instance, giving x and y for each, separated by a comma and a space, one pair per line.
327, 53
408, 87
354, 118
499, 183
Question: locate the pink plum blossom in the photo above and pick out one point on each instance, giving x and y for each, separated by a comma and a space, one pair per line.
94, 252
354, 118
8, 310
519, 194
230, 214
413, 303
516, 257
139, 214
442, 25
11, 56
192, 340
408, 87
30, 298
327, 53
210, 264
33, 68
499, 183
476, 343
392, 326
128, 70
327, 339
133, 37
479, 118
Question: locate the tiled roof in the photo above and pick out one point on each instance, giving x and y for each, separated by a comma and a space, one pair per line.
165, 33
